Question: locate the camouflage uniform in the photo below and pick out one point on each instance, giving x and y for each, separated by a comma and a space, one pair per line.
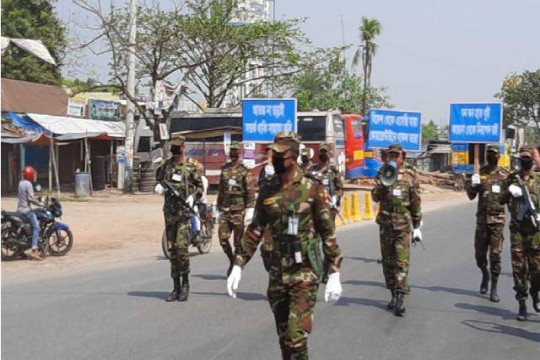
308, 165
524, 238
184, 178
236, 193
292, 288
490, 217
400, 208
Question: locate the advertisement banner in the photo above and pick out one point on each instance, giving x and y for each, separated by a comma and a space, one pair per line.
264, 118
387, 127
475, 123
104, 110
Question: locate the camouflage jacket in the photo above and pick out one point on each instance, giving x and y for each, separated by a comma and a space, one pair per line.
489, 210
330, 177
236, 191
533, 184
401, 202
304, 199
184, 178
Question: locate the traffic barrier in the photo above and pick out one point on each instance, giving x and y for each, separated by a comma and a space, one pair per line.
347, 208
356, 215
368, 206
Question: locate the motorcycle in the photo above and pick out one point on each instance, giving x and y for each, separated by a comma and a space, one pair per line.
55, 238
202, 239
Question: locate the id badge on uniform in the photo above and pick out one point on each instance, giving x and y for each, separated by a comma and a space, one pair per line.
232, 182
177, 177
396, 192
496, 189
292, 227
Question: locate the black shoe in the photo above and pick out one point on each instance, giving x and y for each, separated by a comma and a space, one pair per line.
231, 265
494, 297
485, 281
522, 314
324, 279
184, 290
399, 308
173, 296
534, 298
392, 301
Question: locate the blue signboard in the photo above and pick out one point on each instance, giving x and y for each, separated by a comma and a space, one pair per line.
264, 118
475, 123
388, 127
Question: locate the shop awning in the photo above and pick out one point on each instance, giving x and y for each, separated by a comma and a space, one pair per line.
209, 133
76, 128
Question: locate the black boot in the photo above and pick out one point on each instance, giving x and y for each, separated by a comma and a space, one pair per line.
522, 314
326, 266
493, 296
485, 281
173, 296
184, 289
399, 308
230, 256
392, 302
534, 298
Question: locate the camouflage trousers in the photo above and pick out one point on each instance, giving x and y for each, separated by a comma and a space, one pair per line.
396, 253
489, 237
228, 223
293, 305
525, 252
178, 242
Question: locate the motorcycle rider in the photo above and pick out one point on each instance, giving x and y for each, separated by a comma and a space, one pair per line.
26, 199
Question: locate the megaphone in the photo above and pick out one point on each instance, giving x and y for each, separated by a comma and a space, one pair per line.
388, 175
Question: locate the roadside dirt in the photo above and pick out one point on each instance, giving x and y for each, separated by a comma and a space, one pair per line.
111, 229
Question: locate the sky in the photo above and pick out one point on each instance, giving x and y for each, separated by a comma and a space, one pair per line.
431, 52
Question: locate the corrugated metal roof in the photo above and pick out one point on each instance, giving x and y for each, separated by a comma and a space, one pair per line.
27, 97
62, 125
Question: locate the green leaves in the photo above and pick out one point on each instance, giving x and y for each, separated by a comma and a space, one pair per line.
430, 131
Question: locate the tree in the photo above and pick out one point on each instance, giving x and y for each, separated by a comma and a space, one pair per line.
520, 94
232, 55
430, 131
369, 30
325, 84
32, 19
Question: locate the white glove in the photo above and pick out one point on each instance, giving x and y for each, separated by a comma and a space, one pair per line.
333, 288
233, 280
190, 201
515, 191
269, 170
249, 215
475, 180
417, 234
334, 200
159, 189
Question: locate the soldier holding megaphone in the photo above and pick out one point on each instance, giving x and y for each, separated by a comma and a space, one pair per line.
398, 191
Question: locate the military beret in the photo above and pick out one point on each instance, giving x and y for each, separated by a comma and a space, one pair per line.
285, 140
395, 148
235, 145
525, 151
494, 148
324, 146
178, 140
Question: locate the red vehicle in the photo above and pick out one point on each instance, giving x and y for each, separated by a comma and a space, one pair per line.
354, 145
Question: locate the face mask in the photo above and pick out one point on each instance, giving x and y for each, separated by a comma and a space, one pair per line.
526, 164
393, 163
234, 157
323, 157
305, 159
176, 150
492, 159
279, 165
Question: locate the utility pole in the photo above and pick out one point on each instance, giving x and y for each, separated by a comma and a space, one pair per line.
130, 114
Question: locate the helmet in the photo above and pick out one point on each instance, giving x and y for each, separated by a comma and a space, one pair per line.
29, 173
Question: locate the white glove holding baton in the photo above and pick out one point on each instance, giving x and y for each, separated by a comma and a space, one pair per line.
515, 191
475, 180
159, 189
333, 288
234, 280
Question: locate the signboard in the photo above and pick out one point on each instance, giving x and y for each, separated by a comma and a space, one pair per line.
227, 143
264, 118
387, 127
104, 110
76, 108
475, 123
249, 154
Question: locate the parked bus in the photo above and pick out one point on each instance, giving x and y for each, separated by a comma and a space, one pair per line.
314, 128
354, 145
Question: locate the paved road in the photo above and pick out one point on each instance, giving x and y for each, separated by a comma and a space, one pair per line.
120, 313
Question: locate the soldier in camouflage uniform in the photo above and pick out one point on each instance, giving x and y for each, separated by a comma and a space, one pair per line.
305, 159
180, 173
236, 194
332, 181
399, 209
490, 219
295, 211
524, 231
